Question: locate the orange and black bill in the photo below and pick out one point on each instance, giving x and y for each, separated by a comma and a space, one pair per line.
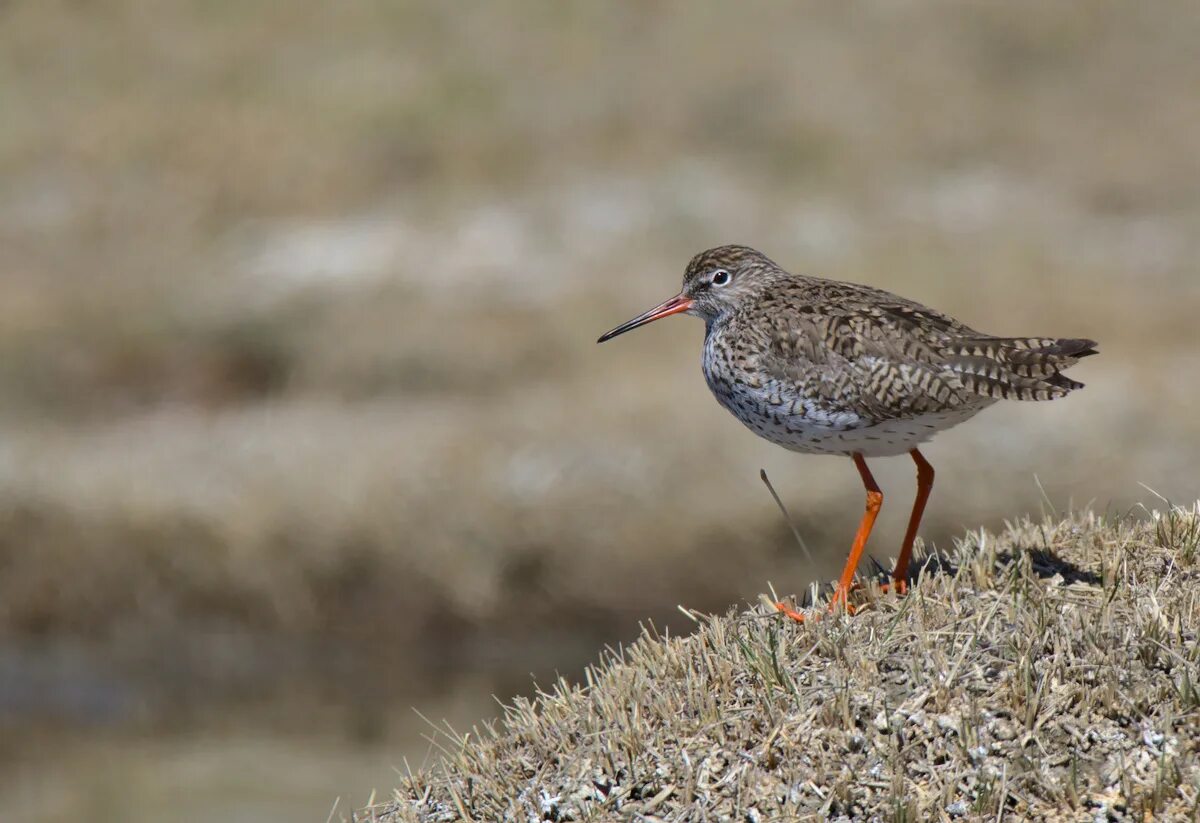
675, 305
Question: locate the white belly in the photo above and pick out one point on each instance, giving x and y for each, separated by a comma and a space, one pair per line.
885, 439
801, 425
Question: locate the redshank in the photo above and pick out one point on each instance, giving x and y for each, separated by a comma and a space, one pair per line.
825, 367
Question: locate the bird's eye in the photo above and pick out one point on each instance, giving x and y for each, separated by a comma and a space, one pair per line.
720, 277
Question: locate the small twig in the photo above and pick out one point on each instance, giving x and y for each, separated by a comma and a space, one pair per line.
795, 532
1045, 497
1156, 494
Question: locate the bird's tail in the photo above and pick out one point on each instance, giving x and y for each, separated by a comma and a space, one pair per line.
1019, 368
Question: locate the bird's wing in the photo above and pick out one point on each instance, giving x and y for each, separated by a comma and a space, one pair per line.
886, 358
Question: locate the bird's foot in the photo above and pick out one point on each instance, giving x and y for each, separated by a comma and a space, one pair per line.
899, 586
841, 601
788, 611
813, 614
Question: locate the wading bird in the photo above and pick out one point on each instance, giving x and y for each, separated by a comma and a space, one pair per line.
824, 367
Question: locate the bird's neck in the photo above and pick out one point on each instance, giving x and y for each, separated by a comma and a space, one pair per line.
719, 321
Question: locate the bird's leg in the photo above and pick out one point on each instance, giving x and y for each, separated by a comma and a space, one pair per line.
924, 487
874, 503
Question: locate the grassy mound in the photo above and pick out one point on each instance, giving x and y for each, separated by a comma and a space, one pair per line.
1053, 670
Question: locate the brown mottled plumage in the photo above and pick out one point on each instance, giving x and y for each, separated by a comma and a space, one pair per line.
826, 367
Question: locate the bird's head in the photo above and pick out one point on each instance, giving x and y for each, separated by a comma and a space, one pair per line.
715, 282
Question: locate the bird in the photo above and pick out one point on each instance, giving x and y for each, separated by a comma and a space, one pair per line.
822, 366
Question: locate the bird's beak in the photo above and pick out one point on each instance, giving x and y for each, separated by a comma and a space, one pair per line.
675, 305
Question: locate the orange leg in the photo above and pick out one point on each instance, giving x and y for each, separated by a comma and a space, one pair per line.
924, 487
874, 504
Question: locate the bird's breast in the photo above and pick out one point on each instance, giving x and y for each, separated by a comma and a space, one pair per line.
773, 407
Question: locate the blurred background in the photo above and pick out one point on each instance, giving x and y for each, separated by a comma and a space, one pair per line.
302, 422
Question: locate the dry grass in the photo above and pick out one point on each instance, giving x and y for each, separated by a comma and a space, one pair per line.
1052, 671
